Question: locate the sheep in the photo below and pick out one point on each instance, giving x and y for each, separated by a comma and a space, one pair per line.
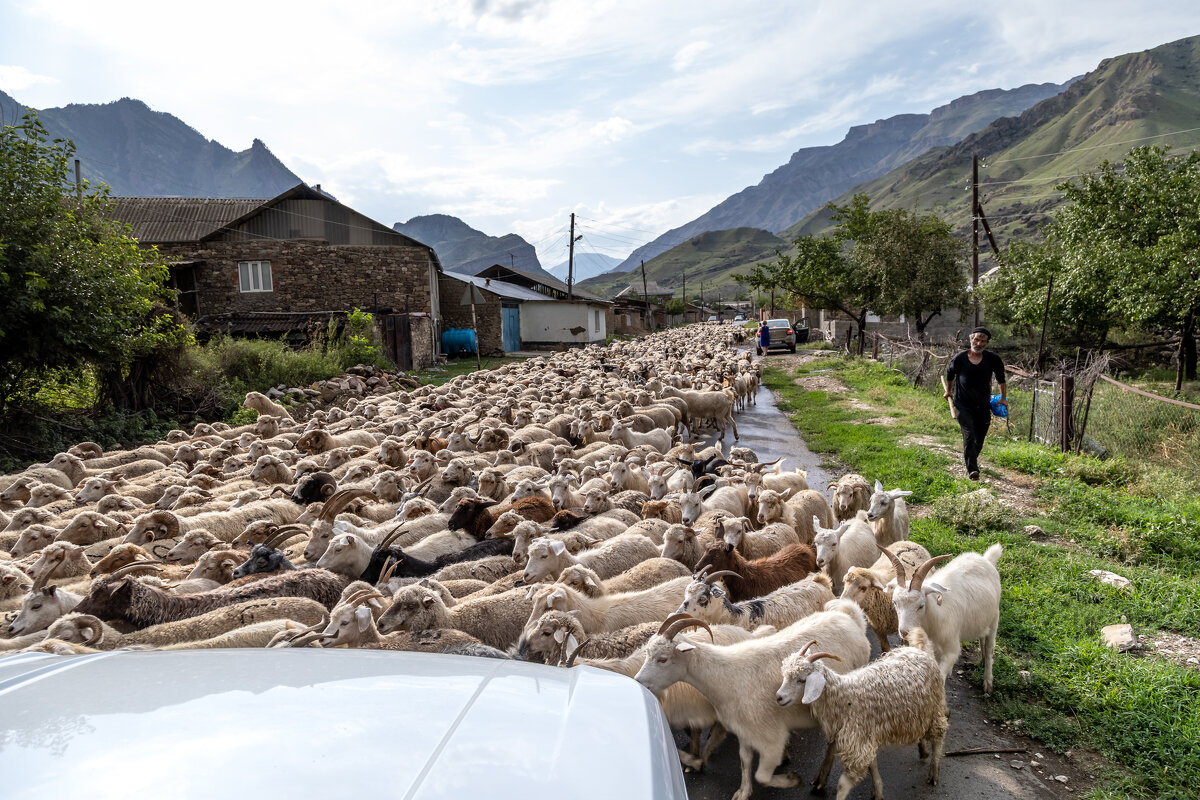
193, 545
555, 634
740, 681
410, 566
475, 516
44, 494
761, 576
226, 525
966, 606
699, 507
708, 601
264, 405
666, 510
851, 544
77, 471
716, 406
41, 606
89, 527
546, 559
622, 434
597, 501
322, 441
685, 545
488, 570
61, 560
650, 572
12, 578
122, 598
757, 478
888, 515
869, 587
851, 494
897, 700
613, 611
752, 544
216, 566
496, 620
353, 625
32, 539
796, 510
121, 555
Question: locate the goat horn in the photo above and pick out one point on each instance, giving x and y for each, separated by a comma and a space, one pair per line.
676, 616
387, 575
136, 566
336, 504
818, 656
576, 652
923, 570
97, 629
896, 562
391, 536
40, 581
804, 649
710, 578
324, 623
304, 639
682, 624
284, 533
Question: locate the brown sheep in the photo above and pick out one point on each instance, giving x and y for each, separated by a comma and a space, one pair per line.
761, 576
475, 515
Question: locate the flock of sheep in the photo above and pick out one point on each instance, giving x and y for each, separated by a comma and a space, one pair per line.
558, 511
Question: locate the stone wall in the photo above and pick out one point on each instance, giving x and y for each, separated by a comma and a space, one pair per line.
488, 334
308, 276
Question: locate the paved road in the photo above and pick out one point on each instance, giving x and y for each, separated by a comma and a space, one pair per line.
766, 430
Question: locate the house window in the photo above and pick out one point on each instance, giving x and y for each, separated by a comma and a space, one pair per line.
596, 320
255, 276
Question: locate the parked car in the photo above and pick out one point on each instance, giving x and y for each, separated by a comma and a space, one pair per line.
740, 318
782, 334
327, 723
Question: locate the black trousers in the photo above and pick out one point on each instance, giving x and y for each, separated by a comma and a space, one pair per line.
974, 424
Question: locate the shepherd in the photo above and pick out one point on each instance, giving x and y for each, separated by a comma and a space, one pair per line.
969, 377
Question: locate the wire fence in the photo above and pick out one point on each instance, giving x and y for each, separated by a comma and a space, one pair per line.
1074, 406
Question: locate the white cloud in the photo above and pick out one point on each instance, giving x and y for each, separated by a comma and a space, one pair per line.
17, 78
688, 54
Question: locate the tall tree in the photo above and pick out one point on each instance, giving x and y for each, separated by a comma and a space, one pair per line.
75, 290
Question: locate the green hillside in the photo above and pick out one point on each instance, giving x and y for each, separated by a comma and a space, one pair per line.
1151, 97
708, 258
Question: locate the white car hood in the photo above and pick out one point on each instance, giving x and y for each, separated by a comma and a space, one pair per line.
325, 724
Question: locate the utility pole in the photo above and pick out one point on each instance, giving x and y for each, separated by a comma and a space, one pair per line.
571, 262
646, 295
511, 263
975, 236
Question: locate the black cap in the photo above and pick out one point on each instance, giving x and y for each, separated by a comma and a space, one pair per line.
982, 330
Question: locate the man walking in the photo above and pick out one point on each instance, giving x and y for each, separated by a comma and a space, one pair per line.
969, 376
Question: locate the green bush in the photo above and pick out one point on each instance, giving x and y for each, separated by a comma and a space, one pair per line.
974, 513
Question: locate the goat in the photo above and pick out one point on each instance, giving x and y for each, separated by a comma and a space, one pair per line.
888, 515
850, 544
708, 601
869, 587
762, 575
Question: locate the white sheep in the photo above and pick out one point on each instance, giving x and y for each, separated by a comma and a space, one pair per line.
899, 699
613, 611
547, 559
965, 607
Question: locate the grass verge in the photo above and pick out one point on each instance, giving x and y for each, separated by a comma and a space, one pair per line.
1052, 671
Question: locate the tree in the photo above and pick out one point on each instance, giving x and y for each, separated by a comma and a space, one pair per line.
1124, 251
75, 290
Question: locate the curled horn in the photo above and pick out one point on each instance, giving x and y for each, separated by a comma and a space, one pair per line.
136, 566
338, 502
896, 562
97, 629
284, 533
818, 656
923, 570
576, 652
682, 624
666, 623
719, 573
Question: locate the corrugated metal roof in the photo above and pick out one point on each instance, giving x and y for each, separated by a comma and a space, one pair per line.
163, 220
509, 290
499, 271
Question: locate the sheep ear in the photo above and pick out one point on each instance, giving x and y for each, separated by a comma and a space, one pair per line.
572, 643
878, 486
560, 636
899, 493
558, 548
588, 581
574, 613
363, 616
813, 686
529, 592
427, 601
685, 647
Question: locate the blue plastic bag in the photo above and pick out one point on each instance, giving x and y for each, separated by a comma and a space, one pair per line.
997, 409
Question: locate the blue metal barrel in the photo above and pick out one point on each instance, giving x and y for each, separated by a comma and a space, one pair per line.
458, 340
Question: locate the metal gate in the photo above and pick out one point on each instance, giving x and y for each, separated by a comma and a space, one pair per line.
510, 326
397, 340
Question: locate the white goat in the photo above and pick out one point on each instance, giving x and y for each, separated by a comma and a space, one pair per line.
888, 514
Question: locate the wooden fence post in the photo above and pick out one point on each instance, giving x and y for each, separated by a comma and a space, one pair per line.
1066, 435
875, 346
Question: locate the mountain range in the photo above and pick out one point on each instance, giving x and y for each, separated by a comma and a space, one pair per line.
140, 152
587, 265
461, 248
1140, 98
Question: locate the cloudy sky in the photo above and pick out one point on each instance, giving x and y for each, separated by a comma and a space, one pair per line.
638, 115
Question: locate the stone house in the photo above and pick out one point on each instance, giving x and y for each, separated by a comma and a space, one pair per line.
287, 264
523, 310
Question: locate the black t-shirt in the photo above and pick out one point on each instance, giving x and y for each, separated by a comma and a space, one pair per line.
973, 382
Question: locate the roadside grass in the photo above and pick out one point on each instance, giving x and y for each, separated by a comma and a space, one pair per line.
1052, 671
443, 373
